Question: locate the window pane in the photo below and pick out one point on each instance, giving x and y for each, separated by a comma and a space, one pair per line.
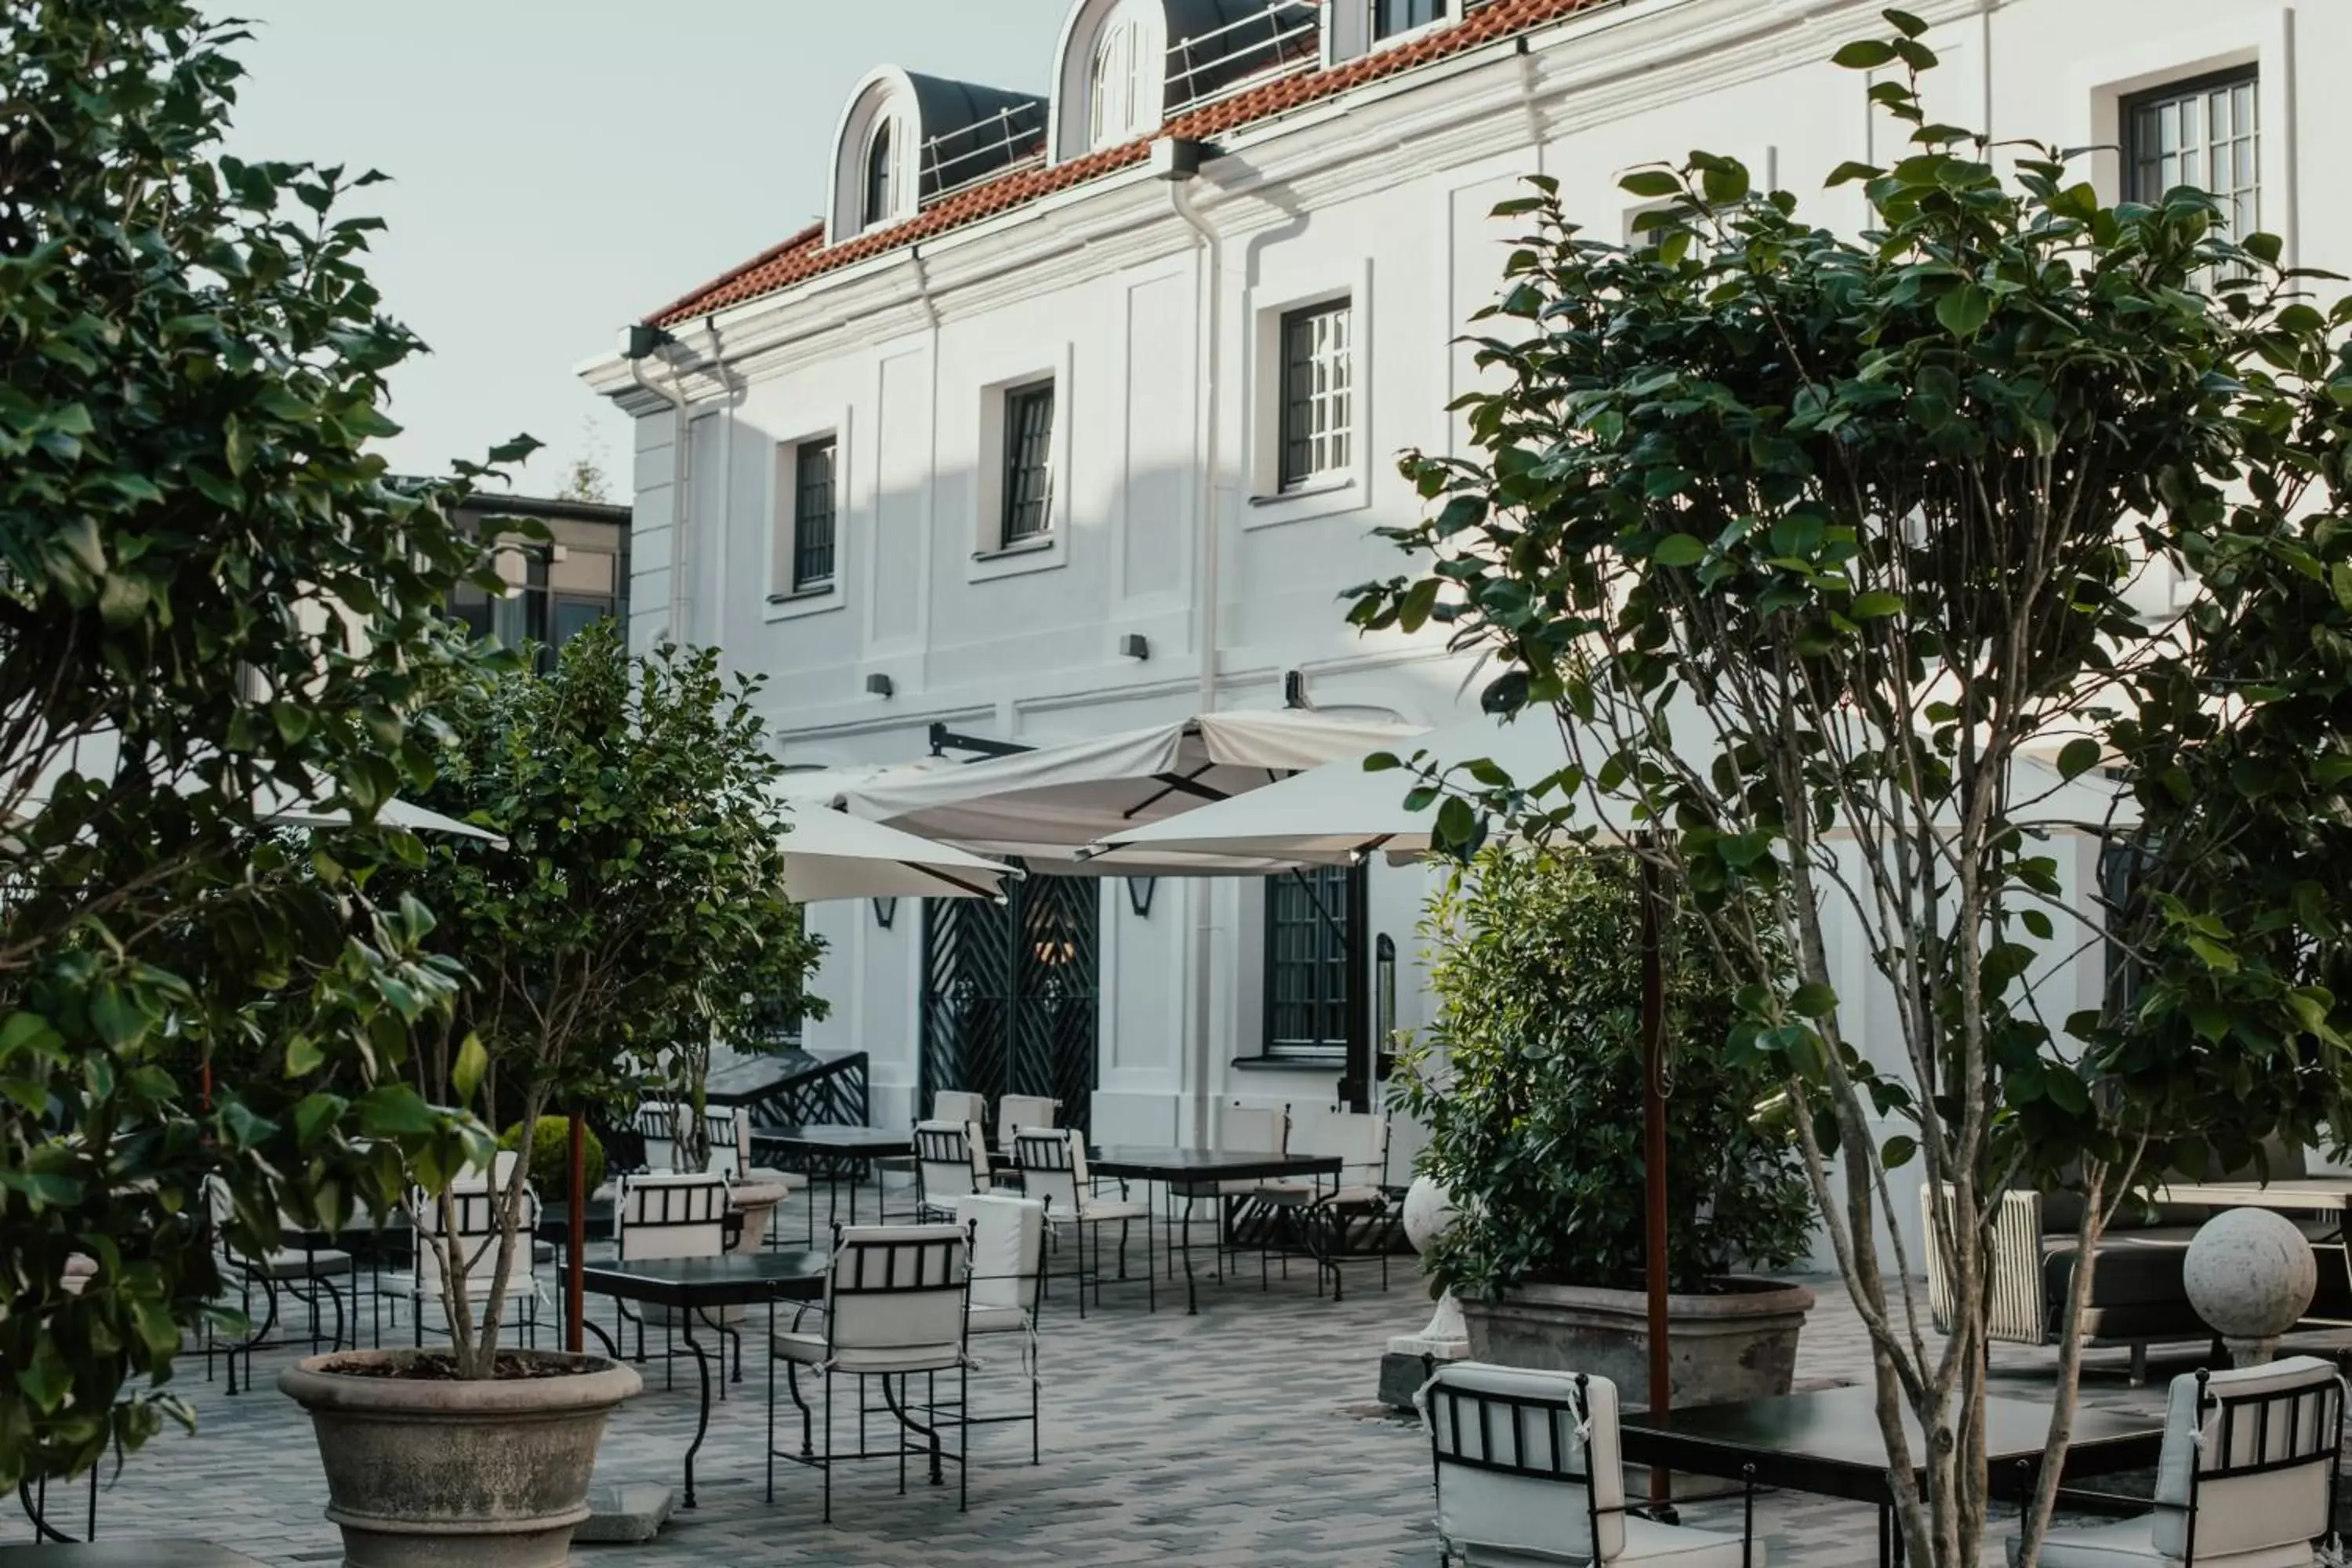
1317, 406
1390, 17
1306, 926
813, 514
2204, 134
1028, 464
881, 194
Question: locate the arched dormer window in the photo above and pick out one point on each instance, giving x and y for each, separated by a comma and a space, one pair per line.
1116, 92
879, 203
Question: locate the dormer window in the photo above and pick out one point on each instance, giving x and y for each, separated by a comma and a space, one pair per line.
881, 199
1390, 17
1118, 91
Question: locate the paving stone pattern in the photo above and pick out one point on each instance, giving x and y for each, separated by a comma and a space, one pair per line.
1245, 1436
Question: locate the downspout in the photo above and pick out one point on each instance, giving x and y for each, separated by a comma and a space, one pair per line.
733, 390
1183, 167
643, 342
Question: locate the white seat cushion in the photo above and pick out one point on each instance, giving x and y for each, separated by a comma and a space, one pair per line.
995, 1320
791, 1181
1355, 1197
2131, 1543
1286, 1191
809, 1350
1097, 1211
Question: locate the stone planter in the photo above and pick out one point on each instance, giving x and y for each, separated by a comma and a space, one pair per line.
1739, 1344
457, 1475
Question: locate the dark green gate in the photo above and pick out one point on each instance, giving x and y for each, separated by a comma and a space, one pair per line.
1010, 993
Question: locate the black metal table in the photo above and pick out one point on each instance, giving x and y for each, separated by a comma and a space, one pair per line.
692, 1286
1202, 1167
856, 1148
1829, 1444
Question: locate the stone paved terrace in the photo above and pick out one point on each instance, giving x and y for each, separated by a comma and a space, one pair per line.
1247, 1435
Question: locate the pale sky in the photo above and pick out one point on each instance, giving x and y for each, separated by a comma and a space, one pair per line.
561, 167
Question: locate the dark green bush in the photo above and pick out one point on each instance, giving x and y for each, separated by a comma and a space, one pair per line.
551, 1156
1531, 1082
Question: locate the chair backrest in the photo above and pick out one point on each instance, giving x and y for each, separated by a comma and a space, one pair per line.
1008, 1248
1253, 1129
948, 1161
671, 1216
1528, 1462
960, 1105
725, 1137
1016, 1111
2250, 1459
1360, 1139
1049, 1160
896, 1293
658, 1125
473, 1235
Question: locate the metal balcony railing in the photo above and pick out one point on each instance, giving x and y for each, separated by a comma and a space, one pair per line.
1280, 39
1010, 139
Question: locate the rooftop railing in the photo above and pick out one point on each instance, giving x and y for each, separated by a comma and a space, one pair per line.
1007, 139
1274, 41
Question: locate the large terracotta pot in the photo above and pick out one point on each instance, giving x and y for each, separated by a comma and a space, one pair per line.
1738, 1342
431, 1473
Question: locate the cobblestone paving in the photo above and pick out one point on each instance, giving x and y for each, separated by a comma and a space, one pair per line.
1245, 1436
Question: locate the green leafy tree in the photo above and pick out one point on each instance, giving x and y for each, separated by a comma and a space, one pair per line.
1527, 1079
213, 604
642, 879
1812, 543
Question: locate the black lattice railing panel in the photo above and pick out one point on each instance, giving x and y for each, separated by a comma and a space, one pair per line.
793, 1088
1010, 993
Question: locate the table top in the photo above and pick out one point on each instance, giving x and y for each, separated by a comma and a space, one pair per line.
838, 1140
1139, 1162
1829, 1443
2329, 1194
736, 1280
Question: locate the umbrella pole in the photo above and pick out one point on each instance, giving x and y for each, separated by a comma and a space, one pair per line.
1654, 1158
575, 1256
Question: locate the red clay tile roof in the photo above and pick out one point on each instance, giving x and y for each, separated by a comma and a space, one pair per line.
805, 255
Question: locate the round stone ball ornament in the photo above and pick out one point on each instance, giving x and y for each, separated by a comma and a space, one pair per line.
2251, 1275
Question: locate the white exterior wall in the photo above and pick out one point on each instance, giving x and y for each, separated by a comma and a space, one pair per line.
1384, 196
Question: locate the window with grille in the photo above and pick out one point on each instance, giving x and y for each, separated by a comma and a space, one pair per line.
2205, 132
1307, 921
1390, 17
1318, 395
881, 179
1028, 464
813, 514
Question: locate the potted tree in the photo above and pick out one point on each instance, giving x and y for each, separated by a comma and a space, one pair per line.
644, 862
1531, 1082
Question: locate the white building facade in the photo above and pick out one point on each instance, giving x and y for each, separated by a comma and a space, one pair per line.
1077, 413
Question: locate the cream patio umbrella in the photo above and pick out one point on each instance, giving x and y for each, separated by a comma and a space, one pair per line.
1341, 812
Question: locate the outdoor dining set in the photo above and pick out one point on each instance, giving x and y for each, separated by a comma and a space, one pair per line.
693, 1263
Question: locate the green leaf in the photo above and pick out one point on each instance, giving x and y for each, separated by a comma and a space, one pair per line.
1898, 1151
1910, 27
473, 1061
2079, 757
1864, 54
1874, 607
1649, 184
1679, 549
1813, 1000
1964, 311
1412, 611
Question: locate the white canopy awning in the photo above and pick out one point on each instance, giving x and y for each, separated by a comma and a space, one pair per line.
830, 855
1339, 811
1050, 805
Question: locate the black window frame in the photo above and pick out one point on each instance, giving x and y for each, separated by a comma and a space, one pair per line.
816, 561
1391, 19
1300, 399
878, 196
1025, 510
1317, 909
2132, 134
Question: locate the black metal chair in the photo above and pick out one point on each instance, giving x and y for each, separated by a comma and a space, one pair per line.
2248, 1474
1530, 1470
896, 1301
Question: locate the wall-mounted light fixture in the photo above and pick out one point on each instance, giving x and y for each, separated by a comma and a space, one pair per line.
880, 686
1135, 645
1139, 895
885, 911
1294, 690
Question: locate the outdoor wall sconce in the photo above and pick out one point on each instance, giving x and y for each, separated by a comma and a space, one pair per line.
1139, 895
885, 911
880, 686
1136, 645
